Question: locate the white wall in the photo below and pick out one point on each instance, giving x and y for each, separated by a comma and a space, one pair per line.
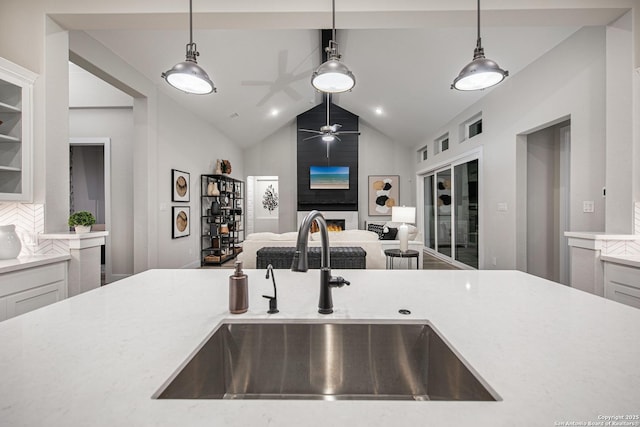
276, 156
188, 144
567, 82
379, 155
116, 124
619, 167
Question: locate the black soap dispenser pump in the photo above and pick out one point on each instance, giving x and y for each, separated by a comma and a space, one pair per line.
238, 290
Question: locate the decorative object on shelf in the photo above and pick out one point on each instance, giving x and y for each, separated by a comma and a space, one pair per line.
181, 221
333, 76
188, 76
224, 229
9, 242
179, 186
81, 221
384, 192
480, 73
212, 189
404, 215
226, 166
270, 199
215, 207
218, 169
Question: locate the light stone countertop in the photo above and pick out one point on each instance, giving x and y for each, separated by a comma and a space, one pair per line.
24, 262
553, 354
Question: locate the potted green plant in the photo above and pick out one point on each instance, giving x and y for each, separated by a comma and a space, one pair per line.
82, 221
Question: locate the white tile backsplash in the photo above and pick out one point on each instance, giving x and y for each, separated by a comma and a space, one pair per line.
29, 221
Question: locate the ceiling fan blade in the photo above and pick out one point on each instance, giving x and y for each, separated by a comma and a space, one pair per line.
336, 137
345, 132
311, 137
310, 130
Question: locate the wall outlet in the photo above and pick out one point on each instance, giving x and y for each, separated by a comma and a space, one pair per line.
588, 206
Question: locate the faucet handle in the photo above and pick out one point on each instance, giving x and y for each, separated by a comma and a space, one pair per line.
338, 282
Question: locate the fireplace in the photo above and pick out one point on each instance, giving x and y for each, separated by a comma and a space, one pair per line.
345, 220
332, 225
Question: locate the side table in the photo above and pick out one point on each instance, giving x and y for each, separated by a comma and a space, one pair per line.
390, 254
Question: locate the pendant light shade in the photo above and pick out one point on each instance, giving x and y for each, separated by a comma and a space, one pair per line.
480, 73
188, 76
333, 76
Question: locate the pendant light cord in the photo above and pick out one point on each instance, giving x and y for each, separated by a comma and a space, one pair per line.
333, 14
191, 22
478, 42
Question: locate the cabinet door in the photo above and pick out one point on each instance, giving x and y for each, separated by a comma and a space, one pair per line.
622, 284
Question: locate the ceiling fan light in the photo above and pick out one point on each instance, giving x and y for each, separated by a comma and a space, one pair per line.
333, 76
328, 138
481, 73
189, 77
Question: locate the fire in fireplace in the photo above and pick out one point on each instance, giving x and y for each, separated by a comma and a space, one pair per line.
332, 225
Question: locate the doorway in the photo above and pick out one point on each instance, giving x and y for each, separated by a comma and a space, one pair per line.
90, 189
547, 205
263, 202
450, 212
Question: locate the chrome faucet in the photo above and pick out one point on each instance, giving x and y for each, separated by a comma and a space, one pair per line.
301, 263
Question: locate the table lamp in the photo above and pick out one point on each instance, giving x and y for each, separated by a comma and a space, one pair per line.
403, 214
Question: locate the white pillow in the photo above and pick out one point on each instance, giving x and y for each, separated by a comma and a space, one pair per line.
413, 230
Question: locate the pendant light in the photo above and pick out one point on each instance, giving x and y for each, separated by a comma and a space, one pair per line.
188, 76
333, 76
480, 73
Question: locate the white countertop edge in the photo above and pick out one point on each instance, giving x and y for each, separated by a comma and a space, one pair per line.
600, 235
24, 262
630, 260
71, 235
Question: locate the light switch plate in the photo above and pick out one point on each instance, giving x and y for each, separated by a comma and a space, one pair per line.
502, 207
588, 206
163, 207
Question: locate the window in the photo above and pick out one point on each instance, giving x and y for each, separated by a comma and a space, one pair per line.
441, 144
425, 154
475, 128
471, 127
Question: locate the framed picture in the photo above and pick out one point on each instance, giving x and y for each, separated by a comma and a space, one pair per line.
384, 192
180, 222
179, 186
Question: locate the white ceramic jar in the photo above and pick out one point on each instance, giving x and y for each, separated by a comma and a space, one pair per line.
9, 242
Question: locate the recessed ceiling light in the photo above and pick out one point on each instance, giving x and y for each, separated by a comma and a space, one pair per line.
275, 112
379, 110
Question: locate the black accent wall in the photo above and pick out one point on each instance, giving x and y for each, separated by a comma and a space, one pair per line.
313, 152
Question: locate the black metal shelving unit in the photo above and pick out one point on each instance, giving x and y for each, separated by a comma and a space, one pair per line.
221, 231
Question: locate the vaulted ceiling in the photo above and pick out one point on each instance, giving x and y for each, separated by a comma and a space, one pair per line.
404, 56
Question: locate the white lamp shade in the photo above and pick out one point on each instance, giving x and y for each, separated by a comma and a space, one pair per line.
403, 214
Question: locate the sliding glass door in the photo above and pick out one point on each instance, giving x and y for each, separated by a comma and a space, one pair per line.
451, 212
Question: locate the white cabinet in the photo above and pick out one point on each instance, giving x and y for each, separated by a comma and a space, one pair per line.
622, 283
28, 289
16, 129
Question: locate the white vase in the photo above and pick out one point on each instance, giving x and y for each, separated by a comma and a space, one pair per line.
212, 189
9, 242
80, 229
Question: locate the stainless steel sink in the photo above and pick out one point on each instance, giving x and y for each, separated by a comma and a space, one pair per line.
330, 361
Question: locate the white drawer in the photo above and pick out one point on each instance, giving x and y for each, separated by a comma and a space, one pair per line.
622, 284
22, 280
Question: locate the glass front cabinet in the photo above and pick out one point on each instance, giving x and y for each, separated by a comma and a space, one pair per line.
222, 225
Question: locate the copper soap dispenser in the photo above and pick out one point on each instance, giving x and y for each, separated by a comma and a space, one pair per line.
238, 290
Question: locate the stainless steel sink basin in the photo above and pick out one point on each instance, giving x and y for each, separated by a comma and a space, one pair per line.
328, 361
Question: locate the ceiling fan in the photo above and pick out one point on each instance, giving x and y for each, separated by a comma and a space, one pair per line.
328, 132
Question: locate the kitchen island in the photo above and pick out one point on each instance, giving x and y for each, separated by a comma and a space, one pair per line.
554, 355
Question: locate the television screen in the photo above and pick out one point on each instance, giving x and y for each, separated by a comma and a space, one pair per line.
329, 177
